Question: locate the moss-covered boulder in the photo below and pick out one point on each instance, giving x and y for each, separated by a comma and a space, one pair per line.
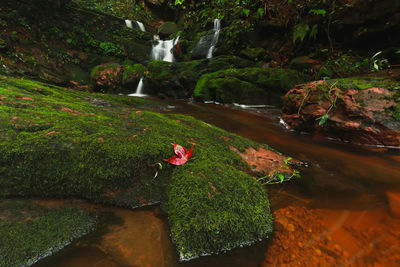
167, 28
30, 232
106, 77
360, 110
162, 78
247, 85
132, 74
56, 142
179, 79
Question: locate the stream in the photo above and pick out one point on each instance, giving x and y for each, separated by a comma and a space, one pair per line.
337, 214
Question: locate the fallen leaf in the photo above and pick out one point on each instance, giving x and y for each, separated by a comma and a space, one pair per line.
52, 132
182, 155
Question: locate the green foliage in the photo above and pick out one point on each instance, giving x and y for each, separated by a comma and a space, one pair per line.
300, 31
344, 64
278, 177
318, 12
109, 48
379, 63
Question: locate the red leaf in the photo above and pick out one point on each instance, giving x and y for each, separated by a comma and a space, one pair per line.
182, 155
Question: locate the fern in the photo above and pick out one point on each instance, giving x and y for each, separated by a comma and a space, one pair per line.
300, 31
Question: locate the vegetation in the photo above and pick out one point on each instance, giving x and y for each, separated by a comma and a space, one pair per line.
31, 232
59, 143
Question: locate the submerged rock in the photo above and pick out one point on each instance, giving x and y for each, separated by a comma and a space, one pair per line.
362, 110
394, 203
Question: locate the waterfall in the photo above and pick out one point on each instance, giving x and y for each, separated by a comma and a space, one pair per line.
139, 89
141, 26
217, 29
162, 50
129, 24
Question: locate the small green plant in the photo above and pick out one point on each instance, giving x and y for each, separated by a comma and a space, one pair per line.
379, 63
109, 48
328, 92
277, 177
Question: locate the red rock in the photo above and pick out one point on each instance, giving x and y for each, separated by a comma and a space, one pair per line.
359, 116
394, 203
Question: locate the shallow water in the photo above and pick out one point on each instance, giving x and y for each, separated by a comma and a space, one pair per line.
337, 214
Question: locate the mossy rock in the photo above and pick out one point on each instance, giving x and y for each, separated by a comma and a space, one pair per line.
30, 232
255, 54
179, 79
106, 77
247, 85
168, 28
56, 142
132, 74
139, 52
218, 222
163, 80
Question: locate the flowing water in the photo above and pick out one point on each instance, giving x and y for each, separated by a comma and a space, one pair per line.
130, 23
162, 50
139, 89
217, 29
338, 214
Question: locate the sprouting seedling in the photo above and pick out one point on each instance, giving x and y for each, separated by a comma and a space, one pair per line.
159, 169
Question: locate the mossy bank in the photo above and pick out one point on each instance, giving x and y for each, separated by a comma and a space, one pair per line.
57, 142
30, 232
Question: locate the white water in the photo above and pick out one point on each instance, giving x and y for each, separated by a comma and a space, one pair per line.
141, 26
138, 23
162, 50
217, 29
139, 89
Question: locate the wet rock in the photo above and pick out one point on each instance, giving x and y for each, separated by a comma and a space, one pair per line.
394, 203
167, 28
202, 46
359, 110
132, 74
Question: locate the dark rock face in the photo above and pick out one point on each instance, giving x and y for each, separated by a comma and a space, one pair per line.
359, 110
201, 49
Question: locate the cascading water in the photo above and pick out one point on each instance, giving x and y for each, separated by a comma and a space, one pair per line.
129, 24
162, 50
217, 29
139, 89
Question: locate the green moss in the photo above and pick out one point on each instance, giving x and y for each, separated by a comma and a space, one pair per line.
213, 208
365, 82
31, 232
132, 73
61, 143
247, 85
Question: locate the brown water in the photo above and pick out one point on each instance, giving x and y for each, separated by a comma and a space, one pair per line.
337, 214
